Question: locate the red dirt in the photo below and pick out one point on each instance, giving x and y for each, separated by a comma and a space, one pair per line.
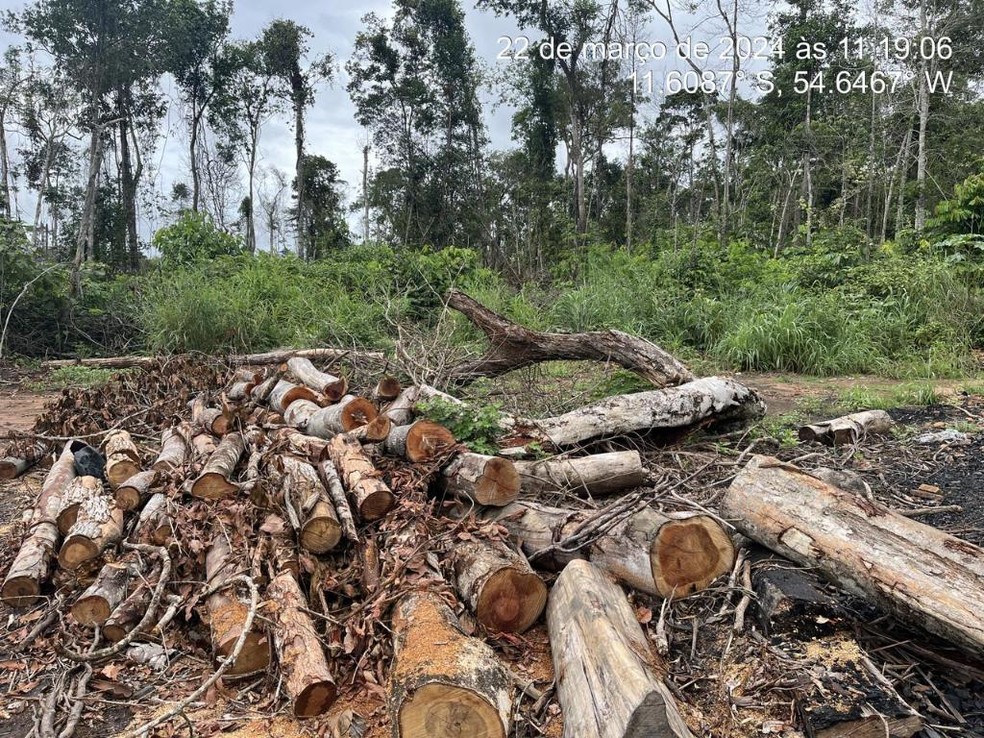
19, 407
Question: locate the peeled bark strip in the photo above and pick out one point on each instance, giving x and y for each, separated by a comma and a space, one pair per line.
122, 457
711, 399
444, 684
607, 682
347, 414
299, 414
99, 525
499, 586
215, 481
912, 570
373, 499
848, 428
284, 394
651, 552
22, 458
135, 490
336, 493
269, 357
401, 410
485, 480
328, 385
174, 449
595, 476
156, 523
79, 491
227, 615
512, 347
97, 603
308, 508
419, 441
302, 660
387, 389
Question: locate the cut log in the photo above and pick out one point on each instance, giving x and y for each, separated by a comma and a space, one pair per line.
649, 551
336, 493
122, 457
308, 507
109, 589
419, 441
401, 410
347, 414
444, 684
79, 491
700, 402
912, 570
284, 394
242, 386
174, 449
269, 357
485, 480
227, 614
375, 431
300, 444
215, 481
302, 660
607, 679
499, 586
261, 392
32, 565
512, 347
373, 499
846, 697
595, 476
98, 526
848, 428
156, 523
387, 389
299, 414
21, 458
128, 614
330, 386
136, 490
203, 445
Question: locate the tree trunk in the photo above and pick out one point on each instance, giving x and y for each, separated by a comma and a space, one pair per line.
420, 441
21, 458
284, 394
373, 499
270, 357
513, 347
156, 523
174, 449
485, 480
330, 386
122, 457
444, 684
79, 491
86, 234
595, 476
308, 507
97, 603
912, 570
848, 428
5, 199
215, 481
499, 586
99, 525
607, 681
135, 490
700, 402
651, 552
922, 155
300, 413
347, 414
302, 660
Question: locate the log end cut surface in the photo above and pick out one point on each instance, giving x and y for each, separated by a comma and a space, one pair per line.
213, 486
376, 504
10, 468
320, 535
315, 700
76, 551
20, 591
687, 555
446, 711
427, 440
499, 484
511, 601
91, 611
357, 412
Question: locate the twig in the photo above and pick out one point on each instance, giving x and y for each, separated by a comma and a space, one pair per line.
746, 598
919, 511
78, 705
42, 624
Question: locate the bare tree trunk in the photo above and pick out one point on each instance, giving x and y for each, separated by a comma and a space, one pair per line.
365, 193
923, 125
4, 169
86, 234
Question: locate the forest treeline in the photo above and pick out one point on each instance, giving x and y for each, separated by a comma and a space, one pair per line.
765, 227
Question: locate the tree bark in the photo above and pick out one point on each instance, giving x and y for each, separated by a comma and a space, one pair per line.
97, 603
122, 457
347, 414
420, 441
499, 586
485, 480
513, 347
174, 449
300, 444
308, 507
848, 428
286, 393
211, 419
336, 493
99, 525
21, 458
912, 570
302, 660
443, 683
373, 499
299, 414
80, 491
215, 481
330, 386
128, 614
135, 490
595, 476
270, 357
156, 523
607, 679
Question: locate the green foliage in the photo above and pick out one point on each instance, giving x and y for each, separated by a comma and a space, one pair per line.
85, 377
477, 426
193, 238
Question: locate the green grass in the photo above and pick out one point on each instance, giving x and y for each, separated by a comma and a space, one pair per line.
72, 376
905, 395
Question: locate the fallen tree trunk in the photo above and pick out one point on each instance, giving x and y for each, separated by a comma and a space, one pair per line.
401, 410
269, 357
419, 441
499, 586
32, 565
108, 590
99, 525
607, 682
227, 615
346, 415
174, 449
513, 347
912, 570
285, 393
302, 660
595, 476
215, 481
79, 491
122, 457
373, 499
21, 458
308, 508
651, 552
330, 386
443, 683
848, 428
485, 480
135, 490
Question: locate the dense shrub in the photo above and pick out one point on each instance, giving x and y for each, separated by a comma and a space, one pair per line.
193, 238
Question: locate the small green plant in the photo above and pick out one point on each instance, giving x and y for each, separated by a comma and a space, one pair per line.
917, 395
477, 426
72, 376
